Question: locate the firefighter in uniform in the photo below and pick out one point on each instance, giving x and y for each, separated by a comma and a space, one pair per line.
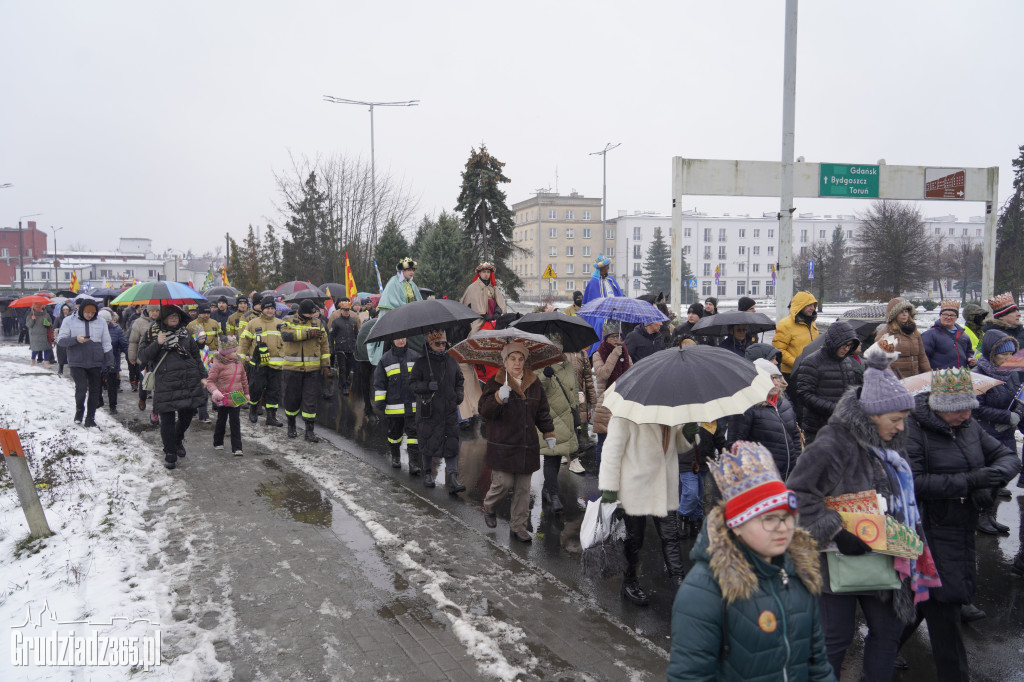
237, 320
263, 350
393, 395
307, 357
206, 332
344, 332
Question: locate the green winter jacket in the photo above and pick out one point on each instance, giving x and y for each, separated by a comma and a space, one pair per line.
562, 410
773, 629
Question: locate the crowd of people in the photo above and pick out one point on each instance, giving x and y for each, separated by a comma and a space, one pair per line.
766, 590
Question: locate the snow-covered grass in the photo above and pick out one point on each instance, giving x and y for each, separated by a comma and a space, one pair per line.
106, 560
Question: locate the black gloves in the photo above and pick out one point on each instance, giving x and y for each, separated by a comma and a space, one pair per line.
549, 371
983, 498
850, 544
432, 386
985, 477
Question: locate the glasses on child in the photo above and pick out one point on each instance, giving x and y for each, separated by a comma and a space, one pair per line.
773, 522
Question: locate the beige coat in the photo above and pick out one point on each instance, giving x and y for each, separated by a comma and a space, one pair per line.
603, 370
476, 298
584, 382
640, 462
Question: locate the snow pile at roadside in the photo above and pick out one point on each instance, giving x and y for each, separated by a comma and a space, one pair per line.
105, 563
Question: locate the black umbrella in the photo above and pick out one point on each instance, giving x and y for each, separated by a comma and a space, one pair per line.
305, 294
105, 292
337, 290
420, 317
214, 293
425, 292
718, 325
688, 384
576, 332
67, 293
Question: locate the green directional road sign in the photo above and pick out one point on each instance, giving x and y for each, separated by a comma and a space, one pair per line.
846, 180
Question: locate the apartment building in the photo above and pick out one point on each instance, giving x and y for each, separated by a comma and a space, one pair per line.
563, 232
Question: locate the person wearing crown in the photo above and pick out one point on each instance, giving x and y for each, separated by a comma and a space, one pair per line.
601, 285
485, 299
399, 290
754, 584
861, 449
1005, 317
958, 467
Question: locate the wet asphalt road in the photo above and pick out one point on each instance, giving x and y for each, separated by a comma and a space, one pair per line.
995, 645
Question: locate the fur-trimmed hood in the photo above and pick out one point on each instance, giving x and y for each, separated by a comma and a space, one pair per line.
1000, 324
851, 416
738, 570
897, 306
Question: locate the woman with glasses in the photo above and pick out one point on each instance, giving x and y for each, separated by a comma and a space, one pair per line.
946, 343
749, 609
438, 383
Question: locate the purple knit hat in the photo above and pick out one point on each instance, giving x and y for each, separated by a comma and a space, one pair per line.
882, 391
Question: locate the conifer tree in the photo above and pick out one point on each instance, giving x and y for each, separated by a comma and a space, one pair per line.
657, 276
1010, 236
392, 247
445, 258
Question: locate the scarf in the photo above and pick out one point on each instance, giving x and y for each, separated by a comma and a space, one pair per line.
986, 366
909, 328
621, 366
902, 504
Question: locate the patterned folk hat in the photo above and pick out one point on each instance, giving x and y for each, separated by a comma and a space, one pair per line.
610, 327
484, 266
407, 264
1002, 304
750, 483
949, 304
952, 390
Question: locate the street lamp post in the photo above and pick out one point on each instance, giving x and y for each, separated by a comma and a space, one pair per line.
56, 275
373, 160
604, 191
21, 248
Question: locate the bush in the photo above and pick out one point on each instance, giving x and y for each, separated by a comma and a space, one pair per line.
930, 305
916, 302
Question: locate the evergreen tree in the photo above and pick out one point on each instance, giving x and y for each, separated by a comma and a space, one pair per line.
416, 247
487, 218
270, 259
1010, 236
658, 266
244, 265
689, 293
445, 258
303, 254
392, 247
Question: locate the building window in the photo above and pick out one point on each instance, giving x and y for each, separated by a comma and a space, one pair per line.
707, 269
849, 234
670, 232
705, 287
977, 233
821, 234
553, 233
686, 250
687, 232
636, 233
5, 253
757, 234
568, 214
67, 275
552, 214
570, 269
951, 231
769, 289
771, 234
721, 253
753, 288
609, 234
45, 274
771, 250
743, 233
553, 284
803, 236
965, 232
570, 285
741, 288
803, 252
740, 267
586, 268
636, 251
553, 251
757, 250
721, 290
756, 267
707, 234
586, 215
938, 231
586, 250
586, 233
721, 234
570, 233
637, 269
707, 253
742, 251
569, 250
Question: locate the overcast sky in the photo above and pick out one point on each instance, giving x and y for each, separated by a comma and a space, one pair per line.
168, 119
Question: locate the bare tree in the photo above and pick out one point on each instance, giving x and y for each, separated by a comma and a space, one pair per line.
894, 252
963, 261
832, 271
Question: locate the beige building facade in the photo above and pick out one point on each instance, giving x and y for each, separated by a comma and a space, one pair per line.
561, 231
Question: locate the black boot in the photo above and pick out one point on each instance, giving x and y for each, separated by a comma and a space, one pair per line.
254, 415
428, 478
292, 431
310, 436
671, 550
414, 466
986, 524
272, 419
554, 503
684, 527
78, 415
632, 591
1001, 527
1004, 493
396, 457
970, 613
454, 487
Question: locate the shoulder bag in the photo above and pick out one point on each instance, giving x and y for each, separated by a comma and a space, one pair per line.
149, 381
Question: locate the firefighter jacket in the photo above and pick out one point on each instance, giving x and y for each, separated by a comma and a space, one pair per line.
391, 383
259, 332
236, 323
305, 344
212, 329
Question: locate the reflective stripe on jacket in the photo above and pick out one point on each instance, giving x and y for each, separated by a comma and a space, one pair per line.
304, 349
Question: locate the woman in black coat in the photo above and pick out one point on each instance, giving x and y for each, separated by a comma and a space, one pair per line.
437, 381
180, 378
825, 375
957, 469
772, 423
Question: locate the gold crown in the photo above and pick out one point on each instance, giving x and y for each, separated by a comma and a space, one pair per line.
951, 381
747, 466
407, 264
1001, 302
949, 304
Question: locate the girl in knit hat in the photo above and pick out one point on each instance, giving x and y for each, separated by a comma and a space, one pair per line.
226, 381
748, 609
858, 450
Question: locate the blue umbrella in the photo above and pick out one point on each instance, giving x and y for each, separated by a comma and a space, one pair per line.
622, 309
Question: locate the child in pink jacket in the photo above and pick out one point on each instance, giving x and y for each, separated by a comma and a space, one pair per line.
227, 375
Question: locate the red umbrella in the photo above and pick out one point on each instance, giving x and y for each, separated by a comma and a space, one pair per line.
289, 288
31, 300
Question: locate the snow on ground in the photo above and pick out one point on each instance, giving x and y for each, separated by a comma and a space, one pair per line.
105, 563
